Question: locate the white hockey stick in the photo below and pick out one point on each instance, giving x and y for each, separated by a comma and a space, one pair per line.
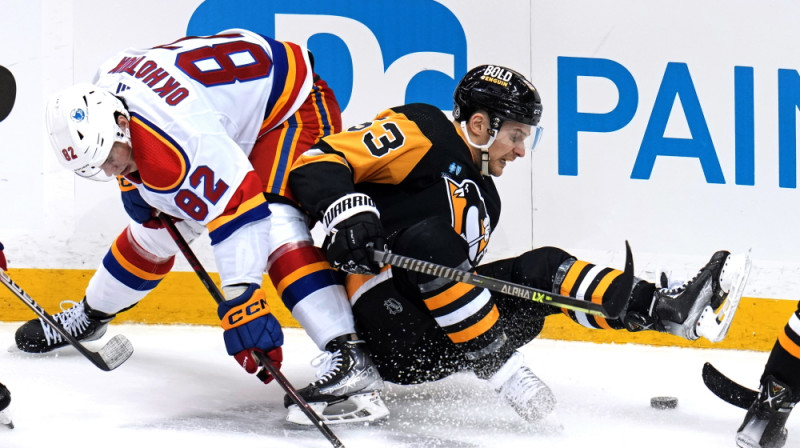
109, 357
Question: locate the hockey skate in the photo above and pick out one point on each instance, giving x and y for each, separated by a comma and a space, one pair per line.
86, 324
5, 400
764, 426
705, 305
529, 396
348, 387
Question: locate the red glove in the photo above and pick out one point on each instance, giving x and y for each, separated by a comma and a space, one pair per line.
2, 259
250, 364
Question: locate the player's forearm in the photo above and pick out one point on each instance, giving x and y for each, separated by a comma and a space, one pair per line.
316, 185
240, 258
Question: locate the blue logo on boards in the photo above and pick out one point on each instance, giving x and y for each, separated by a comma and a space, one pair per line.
374, 54
677, 84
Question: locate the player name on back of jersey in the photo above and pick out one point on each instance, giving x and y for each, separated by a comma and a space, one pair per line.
148, 72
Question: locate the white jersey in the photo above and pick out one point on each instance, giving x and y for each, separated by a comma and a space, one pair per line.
197, 107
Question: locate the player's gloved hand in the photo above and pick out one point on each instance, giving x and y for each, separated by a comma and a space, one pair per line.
139, 210
354, 227
249, 326
136, 207
3, 265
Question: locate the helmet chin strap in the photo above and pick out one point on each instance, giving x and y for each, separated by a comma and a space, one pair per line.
484, 148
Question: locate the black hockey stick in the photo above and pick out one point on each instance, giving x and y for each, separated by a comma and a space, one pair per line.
216, 294
109, 357
610, 309
727, 389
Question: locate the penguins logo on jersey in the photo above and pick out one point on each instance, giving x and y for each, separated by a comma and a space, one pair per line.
393, 306
469, 217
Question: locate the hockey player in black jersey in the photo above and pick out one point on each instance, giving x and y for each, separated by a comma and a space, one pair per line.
764, 425
419, 184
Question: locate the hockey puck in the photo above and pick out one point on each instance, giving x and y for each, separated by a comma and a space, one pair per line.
664, 402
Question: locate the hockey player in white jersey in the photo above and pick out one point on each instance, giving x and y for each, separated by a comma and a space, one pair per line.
204, 129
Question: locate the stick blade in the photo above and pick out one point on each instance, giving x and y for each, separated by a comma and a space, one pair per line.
726, 389
115, 352
613, 308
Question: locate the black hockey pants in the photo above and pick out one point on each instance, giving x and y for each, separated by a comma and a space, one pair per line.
406, 342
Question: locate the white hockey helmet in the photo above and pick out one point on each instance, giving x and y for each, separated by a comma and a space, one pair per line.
82, 125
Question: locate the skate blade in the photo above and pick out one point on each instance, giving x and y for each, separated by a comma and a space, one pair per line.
5, 419
355, 409
550, 425
13, 348
714, 325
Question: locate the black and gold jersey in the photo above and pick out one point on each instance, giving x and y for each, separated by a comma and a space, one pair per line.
414, 164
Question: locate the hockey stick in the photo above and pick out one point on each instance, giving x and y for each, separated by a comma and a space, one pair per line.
727, 389
216, 294
610, 309
109, 357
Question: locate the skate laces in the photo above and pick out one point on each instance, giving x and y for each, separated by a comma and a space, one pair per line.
73, 319
673, 287
524, 384
528, 395
328, 364
666, 281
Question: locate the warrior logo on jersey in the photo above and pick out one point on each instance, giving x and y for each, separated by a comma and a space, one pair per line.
469, 217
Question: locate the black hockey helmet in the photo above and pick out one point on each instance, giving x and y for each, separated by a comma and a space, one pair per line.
502, 92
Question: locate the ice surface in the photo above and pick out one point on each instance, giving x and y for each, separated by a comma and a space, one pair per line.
180, 389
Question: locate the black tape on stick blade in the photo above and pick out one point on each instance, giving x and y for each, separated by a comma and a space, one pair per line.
664, 402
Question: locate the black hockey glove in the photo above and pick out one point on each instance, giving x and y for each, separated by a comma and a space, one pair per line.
353, 227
